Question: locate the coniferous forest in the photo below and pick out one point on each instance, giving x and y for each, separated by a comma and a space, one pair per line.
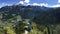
16, 19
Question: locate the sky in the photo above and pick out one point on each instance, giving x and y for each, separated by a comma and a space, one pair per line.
47, 3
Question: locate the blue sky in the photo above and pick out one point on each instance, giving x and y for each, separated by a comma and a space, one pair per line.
51, 3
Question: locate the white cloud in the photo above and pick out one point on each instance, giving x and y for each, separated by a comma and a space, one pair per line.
27, 1
28, 4
41, 4
57, 5
5, 4
45, 4
58, 1
35, 4
21, 2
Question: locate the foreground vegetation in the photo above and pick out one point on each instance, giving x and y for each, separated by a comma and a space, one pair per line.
36, 29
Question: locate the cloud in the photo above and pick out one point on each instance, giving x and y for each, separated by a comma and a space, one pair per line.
40, 4
5, 4
21, 2
58, 1
27, 1
45, 4
57, 5
35, 4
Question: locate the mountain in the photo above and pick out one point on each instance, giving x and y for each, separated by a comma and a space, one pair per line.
30, 12
48, 17
25, 11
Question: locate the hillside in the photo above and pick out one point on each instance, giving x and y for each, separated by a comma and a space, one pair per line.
43, 20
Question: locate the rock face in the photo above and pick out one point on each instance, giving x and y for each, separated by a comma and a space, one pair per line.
26, 32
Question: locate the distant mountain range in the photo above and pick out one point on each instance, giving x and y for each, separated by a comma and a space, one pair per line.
30, 12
